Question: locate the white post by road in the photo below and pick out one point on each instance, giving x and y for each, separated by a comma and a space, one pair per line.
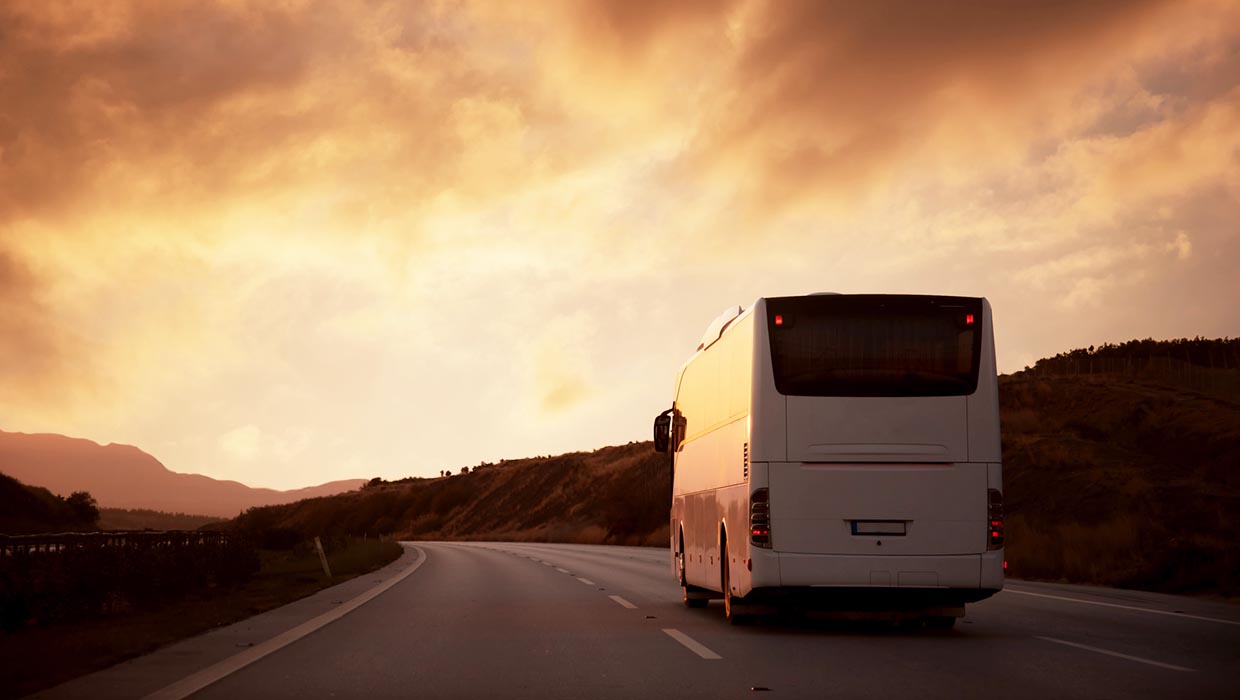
322, 557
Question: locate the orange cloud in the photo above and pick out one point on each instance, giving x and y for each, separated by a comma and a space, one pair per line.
351, 229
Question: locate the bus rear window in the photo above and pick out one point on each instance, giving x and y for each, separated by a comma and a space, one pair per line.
875, 345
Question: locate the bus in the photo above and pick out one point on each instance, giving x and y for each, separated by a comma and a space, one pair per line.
839, 453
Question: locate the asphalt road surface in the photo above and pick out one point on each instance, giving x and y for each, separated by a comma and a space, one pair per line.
505, 620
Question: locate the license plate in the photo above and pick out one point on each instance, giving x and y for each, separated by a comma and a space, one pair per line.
879, 527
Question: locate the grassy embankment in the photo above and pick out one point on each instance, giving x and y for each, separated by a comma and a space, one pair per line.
1121, 482
42, 656
613, 495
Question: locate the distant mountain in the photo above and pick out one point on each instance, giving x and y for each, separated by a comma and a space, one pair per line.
123, 476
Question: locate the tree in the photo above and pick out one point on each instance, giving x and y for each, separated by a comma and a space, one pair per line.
84, 507
464, 470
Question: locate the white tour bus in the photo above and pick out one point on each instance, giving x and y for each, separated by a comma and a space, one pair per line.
839, 453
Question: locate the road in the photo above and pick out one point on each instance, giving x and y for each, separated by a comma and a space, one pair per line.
506, 620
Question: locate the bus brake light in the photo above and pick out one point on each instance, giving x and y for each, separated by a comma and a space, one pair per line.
994, 506
760, 518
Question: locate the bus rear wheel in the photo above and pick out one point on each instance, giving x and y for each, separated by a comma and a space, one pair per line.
694, 597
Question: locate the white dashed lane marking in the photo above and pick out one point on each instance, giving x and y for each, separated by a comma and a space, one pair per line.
1108, 652
691, 644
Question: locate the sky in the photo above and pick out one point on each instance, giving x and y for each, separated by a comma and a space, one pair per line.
286, 242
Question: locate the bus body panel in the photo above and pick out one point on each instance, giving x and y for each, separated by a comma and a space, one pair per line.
817, 570
983, 404
939, 508
714, 460
768, 412
992, 570
877, 429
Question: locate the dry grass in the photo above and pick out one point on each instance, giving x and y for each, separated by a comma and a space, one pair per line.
1121, 482
613, 495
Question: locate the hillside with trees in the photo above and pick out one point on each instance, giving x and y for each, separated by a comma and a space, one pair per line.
613, 495
1120, 465
1204, 365
31, 509
145, 519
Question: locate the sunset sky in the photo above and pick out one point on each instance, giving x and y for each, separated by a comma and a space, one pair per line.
289, 242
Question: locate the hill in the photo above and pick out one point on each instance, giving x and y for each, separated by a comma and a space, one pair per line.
30, 509
1122, 481
144, 519
123, 476
613, 495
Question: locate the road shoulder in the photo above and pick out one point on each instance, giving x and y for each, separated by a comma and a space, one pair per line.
140, 677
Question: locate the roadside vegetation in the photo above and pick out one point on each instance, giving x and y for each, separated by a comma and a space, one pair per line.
31, 509
613, 495
145, 519
1121, 480
80, 630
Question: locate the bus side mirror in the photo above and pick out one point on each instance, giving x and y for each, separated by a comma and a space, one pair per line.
662, 431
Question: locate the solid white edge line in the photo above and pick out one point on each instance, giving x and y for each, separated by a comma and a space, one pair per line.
195, 682
586, 581
622, 602
1108, 652
691, 644
1122, 607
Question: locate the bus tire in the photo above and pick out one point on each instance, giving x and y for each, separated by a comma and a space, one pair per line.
940, 622
694, 597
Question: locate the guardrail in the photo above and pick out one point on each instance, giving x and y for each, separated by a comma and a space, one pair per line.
21, 545
73, 575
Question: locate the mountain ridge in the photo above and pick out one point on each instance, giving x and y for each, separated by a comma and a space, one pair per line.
119, 475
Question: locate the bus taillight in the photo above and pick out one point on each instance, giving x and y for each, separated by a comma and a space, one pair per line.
994, 515
760, 518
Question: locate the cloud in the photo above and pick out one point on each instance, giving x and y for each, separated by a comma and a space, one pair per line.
318, 109
369, 221
559, 364
42, 364
243, 443
1182, 245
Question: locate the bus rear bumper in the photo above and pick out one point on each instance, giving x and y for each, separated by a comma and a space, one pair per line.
930, 580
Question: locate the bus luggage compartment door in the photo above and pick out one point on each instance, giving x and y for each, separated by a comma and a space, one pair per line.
868, 508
